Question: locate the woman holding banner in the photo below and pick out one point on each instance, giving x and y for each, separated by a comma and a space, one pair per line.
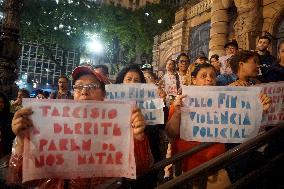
133, 74
88, 85
202, 75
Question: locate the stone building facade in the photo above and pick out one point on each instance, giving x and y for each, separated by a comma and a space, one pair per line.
208, 25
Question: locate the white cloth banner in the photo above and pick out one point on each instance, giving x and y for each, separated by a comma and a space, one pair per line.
275, 114
146, 97
220, 114
73, 139
135, 91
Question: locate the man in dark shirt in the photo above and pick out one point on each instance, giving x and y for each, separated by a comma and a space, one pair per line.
62, 92
266, 59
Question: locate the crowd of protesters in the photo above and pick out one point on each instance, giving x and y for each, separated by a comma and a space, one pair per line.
236, 68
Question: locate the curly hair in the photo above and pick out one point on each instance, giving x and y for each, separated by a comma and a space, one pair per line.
131, 68
180, 55
216, 56
241, 56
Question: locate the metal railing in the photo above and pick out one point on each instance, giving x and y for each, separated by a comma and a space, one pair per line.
213, 165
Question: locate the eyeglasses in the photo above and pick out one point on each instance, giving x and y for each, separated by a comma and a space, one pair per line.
90, 87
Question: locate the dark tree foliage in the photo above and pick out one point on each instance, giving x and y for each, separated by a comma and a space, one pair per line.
70, 25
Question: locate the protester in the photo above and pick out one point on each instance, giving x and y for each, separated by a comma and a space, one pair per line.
200, 59
203, 74
150, 77
133, 74
231, 48
103, 71
276, 71
182, 62
170, 81
245, 64
17, 104
214, 61
265, 58
62, 92
226, 75
87, 86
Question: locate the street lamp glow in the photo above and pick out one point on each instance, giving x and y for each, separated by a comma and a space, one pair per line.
160, 21
95, 46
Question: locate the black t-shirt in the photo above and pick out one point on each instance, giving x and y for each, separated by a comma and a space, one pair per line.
274, 73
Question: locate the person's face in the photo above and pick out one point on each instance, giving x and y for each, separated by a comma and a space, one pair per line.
148, 77
183, 64
231, 50
200, 61
262, 44
87, 87
215, 63
205, 77
62, 84
281, 53
170, 66
132, 77
250, 68
20, 95
2, 104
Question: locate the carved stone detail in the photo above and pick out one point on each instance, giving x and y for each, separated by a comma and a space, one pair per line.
247, 22
199, 9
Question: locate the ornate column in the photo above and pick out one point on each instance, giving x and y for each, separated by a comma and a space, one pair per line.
156, 54
219, 26
9, 46
247, 25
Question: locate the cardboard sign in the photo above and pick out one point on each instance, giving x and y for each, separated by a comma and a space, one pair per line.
275, 91
146, 97
79, 139
220, 114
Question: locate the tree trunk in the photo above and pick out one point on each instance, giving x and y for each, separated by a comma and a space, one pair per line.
10, 47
